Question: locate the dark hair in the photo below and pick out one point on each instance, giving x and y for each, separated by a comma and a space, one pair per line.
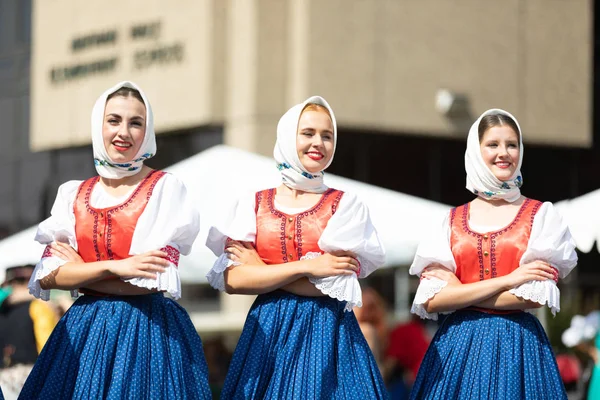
492, 120
19, 274
126, 92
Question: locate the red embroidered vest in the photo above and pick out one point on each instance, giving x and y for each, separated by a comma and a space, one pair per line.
281, 237
486, 255
106, 233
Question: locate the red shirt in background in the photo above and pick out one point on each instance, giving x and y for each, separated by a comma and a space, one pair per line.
408, 345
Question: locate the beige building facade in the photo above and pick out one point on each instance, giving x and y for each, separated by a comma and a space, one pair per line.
400, 66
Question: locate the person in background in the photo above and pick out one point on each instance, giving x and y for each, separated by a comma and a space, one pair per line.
218, 358
25, 325
407, 346
372, 320
584, 335
570, 370
594, 352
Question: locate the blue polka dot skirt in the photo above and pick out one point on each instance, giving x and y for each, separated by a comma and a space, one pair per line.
475, 355
122, 347
295, 347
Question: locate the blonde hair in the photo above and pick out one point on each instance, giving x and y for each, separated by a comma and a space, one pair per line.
315, 107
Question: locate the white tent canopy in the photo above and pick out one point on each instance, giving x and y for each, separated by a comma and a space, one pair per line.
219, 175
19, 249
582, 214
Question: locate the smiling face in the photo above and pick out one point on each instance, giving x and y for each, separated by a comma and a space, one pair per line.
500, 151
314, 139
123, 127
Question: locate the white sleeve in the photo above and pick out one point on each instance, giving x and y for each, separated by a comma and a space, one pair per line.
350, 229
239, 224
550, 241
433, 249
170, 222
59, 227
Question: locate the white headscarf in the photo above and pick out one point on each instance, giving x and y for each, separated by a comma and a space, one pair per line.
480, 180
106, 167
293, 173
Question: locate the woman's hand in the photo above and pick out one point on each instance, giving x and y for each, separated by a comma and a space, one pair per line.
533, 271
333, 264
144, 265
438, 271
243, 253
65, 252
328, 264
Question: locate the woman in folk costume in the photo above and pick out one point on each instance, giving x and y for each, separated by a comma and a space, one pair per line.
491, 260
300, 247
117, 239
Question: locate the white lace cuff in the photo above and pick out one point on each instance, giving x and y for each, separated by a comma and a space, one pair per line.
427, 289
542, 292
43, 269
167, 281
342, 287
215, 276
